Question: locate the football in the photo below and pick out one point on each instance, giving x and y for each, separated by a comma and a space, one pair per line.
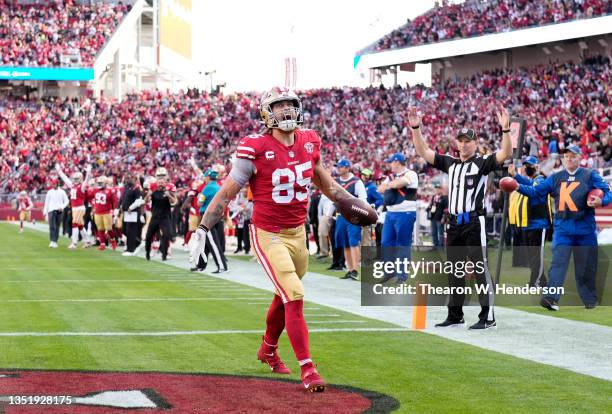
595, 193
357, 211
508, 184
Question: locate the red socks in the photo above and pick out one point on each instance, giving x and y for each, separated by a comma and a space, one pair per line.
188, 237
102, 237
297, 330
275, 321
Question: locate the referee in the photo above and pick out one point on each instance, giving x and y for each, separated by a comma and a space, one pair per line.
466, 236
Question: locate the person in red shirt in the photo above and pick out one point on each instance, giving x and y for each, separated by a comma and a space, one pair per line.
279, 166
104, 203
78, 196
24, 207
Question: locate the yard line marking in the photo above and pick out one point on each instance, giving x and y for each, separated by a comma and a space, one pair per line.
314, 315
126, 300
311, 308
179, 333
97, 280
332, 322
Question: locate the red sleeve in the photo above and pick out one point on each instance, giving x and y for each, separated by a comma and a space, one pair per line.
247, 147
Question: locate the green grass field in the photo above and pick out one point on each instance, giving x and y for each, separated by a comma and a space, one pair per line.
52, 291
517, 276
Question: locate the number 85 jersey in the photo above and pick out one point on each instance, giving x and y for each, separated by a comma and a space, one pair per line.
280, 178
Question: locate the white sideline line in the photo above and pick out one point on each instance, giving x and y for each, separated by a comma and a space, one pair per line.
125, 300
178, 333
315, 315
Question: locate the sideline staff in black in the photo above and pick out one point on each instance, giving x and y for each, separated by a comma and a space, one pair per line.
162, 200
466, 236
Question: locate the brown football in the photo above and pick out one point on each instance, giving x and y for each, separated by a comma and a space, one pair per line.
357, 211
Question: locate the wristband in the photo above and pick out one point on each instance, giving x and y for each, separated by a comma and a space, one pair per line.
505, 130
415, 127
203, 227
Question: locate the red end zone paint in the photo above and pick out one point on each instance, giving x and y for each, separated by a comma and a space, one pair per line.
110, 392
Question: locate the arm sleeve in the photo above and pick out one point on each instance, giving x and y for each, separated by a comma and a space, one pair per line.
361, 191
86, 180
46, 207
442, 162
242, 171
489, 164
523, 180
545, 187
599, 182
64, 178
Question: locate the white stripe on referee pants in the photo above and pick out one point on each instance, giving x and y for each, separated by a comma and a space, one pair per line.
215, 249
483, 244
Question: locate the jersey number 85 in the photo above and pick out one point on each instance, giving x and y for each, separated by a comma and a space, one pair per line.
283, 193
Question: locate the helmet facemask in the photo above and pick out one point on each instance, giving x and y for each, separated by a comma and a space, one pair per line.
286, 119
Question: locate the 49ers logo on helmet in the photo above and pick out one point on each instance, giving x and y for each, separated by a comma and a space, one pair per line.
152, 392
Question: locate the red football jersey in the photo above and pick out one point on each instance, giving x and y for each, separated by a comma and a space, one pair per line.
77, 196
103, 200
24, 203
281, 182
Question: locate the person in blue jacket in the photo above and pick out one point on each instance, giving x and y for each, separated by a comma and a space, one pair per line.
533, 217
574, 225
375, 199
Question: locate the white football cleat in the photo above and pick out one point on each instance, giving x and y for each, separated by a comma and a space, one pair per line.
127, 254
72, 246
53, 245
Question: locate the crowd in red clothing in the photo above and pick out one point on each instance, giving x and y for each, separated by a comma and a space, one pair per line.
40, 34
562, 103
478, 17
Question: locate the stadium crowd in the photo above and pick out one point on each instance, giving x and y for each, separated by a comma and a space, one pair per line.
40, 34
563, 103
477, 17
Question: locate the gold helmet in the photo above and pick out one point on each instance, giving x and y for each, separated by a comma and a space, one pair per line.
161, 172
290, 118
77, 177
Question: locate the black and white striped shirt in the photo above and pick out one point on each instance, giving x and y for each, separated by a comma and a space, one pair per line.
466, 181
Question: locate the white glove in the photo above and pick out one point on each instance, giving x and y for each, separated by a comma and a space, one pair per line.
198, 244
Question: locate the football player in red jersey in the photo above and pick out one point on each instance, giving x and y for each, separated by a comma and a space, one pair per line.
192, 206
279, 165
103, 204
78, 195
24, 207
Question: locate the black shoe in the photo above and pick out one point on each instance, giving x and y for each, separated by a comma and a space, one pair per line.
164, 258
450, 322
549, 304
348, 275
590, 306
219, 271
237, 251
484, 325
386, 278
354, 275
336, 268
196, 269
148, 255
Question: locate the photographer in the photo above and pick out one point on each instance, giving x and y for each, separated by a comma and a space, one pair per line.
163, 197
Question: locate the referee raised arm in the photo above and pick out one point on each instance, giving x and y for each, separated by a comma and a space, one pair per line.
466, 236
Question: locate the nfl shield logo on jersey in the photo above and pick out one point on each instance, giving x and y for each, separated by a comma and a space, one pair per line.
470, 181
269, 155
291, 154
309, 147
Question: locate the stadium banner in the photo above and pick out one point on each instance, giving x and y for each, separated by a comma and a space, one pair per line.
58, 74
175, 26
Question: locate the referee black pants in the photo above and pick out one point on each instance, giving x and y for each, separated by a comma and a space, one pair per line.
164, 226
132, 233
468, 242
213, 245
534, 240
